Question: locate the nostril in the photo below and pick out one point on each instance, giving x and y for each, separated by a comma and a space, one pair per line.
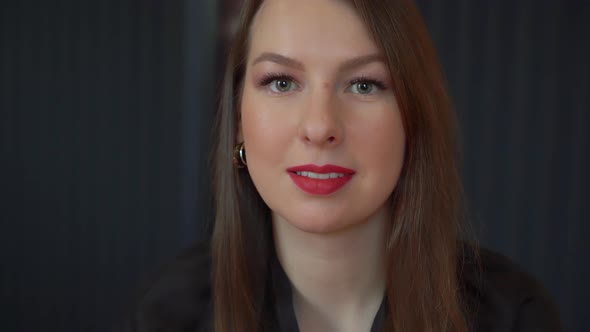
331, 139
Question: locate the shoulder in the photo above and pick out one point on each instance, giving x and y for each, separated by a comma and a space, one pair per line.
502, 297
178, 298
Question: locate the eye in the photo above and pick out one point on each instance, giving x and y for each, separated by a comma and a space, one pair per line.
366, 86
278, 83
281, 85
363, 88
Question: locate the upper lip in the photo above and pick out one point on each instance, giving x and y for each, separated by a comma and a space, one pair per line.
321, 169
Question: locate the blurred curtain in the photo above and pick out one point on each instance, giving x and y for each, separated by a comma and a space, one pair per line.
518, 72
98, 99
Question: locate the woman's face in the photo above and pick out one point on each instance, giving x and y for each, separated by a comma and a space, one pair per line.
318, 103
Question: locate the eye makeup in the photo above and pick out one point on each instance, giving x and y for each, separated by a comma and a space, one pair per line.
365, 79
271, 77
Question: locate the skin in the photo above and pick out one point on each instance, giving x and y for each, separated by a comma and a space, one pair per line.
331, 247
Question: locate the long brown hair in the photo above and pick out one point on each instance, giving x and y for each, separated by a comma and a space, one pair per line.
422, 246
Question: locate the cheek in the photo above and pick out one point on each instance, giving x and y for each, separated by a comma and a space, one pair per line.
380, 143
389, 141
383, 131
266, 133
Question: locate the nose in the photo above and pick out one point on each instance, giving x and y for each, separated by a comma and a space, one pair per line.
320, 123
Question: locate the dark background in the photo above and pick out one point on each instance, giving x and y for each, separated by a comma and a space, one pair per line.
105, 116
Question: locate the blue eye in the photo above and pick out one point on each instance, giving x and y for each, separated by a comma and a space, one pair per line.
363, 88
278, 83
281, 85
366, 86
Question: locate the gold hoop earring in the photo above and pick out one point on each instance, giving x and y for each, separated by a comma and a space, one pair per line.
240, 156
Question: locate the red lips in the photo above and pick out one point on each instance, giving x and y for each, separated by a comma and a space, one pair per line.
321, 169
315, 186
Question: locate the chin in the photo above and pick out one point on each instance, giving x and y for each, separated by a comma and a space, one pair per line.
317, 228
318, 224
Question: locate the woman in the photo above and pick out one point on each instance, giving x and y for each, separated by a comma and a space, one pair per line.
338, 202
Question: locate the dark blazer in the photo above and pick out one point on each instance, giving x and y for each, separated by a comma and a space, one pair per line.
502, 297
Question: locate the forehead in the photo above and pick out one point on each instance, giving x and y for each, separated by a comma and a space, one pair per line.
310, 28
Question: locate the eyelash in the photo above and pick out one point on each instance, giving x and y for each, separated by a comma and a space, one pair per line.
365, 79
270, 77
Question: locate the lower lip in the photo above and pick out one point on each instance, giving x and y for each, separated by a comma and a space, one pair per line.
319, 186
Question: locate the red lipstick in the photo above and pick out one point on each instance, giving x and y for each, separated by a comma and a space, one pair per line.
323, 180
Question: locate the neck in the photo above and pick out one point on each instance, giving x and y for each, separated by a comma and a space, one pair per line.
338, 279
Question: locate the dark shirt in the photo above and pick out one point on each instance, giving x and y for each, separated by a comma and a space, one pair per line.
501, 296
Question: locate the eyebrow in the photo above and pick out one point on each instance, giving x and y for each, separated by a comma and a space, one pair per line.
345, 66
279, 59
